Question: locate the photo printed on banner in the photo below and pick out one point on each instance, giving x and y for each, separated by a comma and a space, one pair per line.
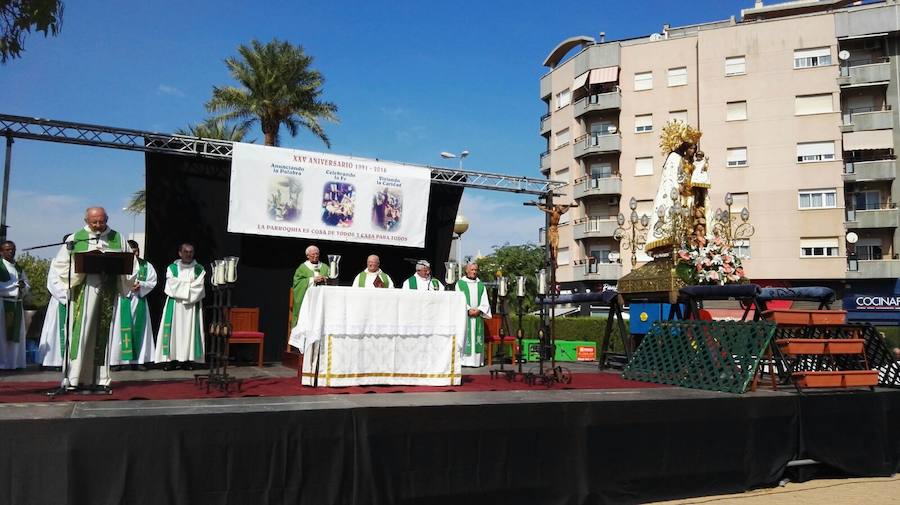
387, 208
285, 197
338, 202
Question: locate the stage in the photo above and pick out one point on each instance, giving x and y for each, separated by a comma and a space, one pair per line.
619, 442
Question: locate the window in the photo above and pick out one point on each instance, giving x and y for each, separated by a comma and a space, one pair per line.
735, 65
869, 249
601, 170
741, 248
563, 137
817, 198
678, 76
814, 57
600, 254
736, 111
812, 247
563, 98
678, 115
643, 80
813, 104
562, 255
643, 123
643, 166
737, 156
867, 200
815, 151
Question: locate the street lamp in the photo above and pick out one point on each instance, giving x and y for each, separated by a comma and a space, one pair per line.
460, 226
448, 155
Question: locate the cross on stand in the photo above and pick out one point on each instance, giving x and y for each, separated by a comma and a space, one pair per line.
547, 346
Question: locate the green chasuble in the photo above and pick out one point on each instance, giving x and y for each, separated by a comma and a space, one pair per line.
107, 297
414, 284
302, 277
133, 326
12, 309
463, 287
361, 283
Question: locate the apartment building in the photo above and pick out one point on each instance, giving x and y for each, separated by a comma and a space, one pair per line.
798, 105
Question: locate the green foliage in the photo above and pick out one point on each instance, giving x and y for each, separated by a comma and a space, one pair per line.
20, 17
138, 202
36, 270
512, 261
571, 328
218, 129
277, 88
891, 335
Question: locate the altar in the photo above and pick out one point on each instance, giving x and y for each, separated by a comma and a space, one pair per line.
355, 337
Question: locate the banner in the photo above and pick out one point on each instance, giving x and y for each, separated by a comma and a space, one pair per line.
304, 194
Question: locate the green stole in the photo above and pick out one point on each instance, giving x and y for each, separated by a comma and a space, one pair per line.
12, 309
414, 284
170, 311
479, 323
301, 284
133, 326
361, 283
107, 297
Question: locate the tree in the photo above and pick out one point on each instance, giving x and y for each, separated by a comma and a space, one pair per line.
215, 128
512, 261
36, 269
138, 202
278, 87
20, 17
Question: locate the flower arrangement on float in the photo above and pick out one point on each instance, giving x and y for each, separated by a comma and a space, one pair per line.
710, 262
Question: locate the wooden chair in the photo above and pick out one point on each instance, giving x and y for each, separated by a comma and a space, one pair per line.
245, 330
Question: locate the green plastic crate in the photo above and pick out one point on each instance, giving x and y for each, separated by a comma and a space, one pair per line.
566, 350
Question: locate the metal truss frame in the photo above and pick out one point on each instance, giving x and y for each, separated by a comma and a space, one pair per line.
138, 140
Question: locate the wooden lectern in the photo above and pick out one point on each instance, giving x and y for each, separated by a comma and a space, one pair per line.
109, 263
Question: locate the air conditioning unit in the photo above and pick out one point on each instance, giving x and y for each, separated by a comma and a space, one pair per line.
614, 200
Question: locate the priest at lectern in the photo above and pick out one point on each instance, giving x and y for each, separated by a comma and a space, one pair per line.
96, 281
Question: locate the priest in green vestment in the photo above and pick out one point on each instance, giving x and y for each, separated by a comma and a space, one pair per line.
477, 309
372, 276
92, 306
422, 279
13, 287
132, 336
310, 273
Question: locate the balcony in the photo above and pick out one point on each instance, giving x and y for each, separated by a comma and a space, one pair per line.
597, 186
545, 124
867, 118
874, 269
596, 143
590, 270
598, 102
879, 170
545, 162
884, 216
877, 72
592, 227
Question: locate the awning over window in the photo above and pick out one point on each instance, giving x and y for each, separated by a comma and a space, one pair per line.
606, 74
580, 81
873, 139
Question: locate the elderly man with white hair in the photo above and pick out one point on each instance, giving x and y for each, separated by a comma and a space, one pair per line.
93, 299
309, 274
478, 309
422, 279
372, 276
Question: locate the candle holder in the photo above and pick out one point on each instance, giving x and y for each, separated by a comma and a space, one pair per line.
334, 265
223, 277
450, 274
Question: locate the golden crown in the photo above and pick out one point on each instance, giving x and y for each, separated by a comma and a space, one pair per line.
676, 133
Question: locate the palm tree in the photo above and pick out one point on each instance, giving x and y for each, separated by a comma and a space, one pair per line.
278, 87
215, 128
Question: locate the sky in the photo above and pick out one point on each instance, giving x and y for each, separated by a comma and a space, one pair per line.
410, 79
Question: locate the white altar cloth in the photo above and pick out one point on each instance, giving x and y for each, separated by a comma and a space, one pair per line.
355, 337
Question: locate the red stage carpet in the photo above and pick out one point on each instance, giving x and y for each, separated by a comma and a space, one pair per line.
22, 392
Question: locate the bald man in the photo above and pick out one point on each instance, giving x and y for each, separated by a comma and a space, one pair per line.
372, 276
93, 297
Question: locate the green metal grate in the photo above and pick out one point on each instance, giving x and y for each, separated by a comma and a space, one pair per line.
712, 355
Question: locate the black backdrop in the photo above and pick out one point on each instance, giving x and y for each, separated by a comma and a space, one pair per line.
187, 201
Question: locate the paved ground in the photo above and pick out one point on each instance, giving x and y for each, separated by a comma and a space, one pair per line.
876, 491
